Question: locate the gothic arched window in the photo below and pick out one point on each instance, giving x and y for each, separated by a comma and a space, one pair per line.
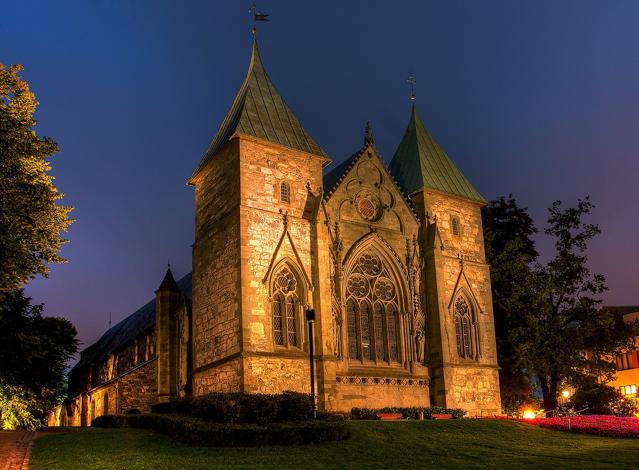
372, 307
464, 328
285, 308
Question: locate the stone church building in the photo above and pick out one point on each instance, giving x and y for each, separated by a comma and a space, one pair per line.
391, 258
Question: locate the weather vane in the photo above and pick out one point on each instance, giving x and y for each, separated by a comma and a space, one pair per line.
257, 16
411, 81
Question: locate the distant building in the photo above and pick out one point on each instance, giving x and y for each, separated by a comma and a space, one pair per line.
391, 259
626, 378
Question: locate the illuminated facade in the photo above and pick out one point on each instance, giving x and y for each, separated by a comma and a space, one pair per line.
391, 258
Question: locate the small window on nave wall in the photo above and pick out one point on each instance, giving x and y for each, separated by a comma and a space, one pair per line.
285, 192
142, 344
103, 372
151, 345
455, 225
126, 359
372, 311
285, 307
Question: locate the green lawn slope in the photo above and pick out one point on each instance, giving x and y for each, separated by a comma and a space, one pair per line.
401, 444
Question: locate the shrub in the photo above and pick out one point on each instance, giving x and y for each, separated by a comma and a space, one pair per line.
601, 399
109, 421
242, 407
194, 431
176, 405
163, 407
612, 426
132, 411
295, 407
408, 413
327, 416
364, 413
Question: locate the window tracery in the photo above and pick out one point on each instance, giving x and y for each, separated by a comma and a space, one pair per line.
455, 225
372, 308
285, 192
285, 307
464, 328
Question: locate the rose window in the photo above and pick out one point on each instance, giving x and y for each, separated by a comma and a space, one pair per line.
368, 206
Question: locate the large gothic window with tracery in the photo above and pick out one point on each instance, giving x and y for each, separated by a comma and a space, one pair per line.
372, 311
285, 307
464, 328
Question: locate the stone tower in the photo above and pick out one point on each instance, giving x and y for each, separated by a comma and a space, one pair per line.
173, 344
462, 354
253, 245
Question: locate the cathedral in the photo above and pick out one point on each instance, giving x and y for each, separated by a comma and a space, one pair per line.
390, 258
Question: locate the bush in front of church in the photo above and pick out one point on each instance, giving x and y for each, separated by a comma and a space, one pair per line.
110, 421
194, 431
238, 408
407, 413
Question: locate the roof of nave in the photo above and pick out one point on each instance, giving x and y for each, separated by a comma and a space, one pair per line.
260, 111
121, 333
420, 162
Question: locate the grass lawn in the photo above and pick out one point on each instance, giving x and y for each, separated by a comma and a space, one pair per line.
374, 444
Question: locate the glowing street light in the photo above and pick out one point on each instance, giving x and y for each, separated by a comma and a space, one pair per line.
565, 393
529, 414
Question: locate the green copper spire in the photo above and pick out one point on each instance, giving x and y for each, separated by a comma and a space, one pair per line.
259, 111
420, 162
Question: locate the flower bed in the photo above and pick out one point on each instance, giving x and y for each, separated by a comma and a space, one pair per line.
613, 426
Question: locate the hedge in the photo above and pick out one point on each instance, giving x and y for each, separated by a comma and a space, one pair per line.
407, 413
242, 407
194, 431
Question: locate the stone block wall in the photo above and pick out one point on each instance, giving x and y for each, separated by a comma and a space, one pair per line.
138, 388
276, 374
351, 391
263, 169
456, 265
475, 389
216, 260
226, 377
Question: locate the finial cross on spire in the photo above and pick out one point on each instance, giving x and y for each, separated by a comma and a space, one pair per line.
257, 16
411, 81
368, 134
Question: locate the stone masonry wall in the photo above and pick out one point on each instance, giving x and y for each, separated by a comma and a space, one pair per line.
277, 374
456, 265
216, 258
263, 169
138, 388
222, 378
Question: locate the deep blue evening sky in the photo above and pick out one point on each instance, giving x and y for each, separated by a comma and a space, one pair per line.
538, 99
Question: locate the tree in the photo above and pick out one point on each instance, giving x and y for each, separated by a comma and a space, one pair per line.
547, 318
562, 334
510, 251
34, 352
596, 398
31, 221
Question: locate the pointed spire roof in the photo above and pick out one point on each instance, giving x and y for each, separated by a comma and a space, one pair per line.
258, 110
168, 283
420, 162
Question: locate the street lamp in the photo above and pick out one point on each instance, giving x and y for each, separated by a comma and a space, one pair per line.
310, 318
